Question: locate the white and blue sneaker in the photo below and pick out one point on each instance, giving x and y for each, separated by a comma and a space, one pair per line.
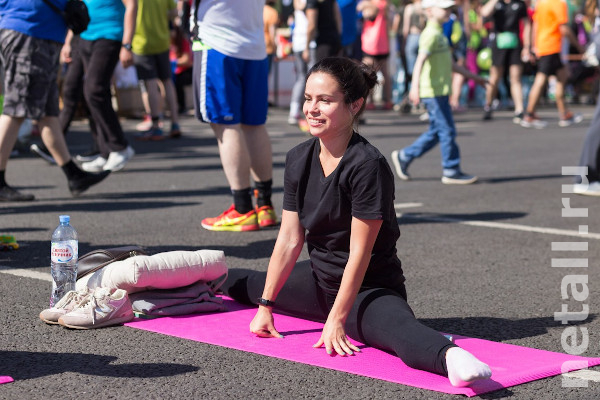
591, 189
400, 165
457, 177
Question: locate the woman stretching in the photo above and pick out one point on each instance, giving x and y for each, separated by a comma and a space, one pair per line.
339, 198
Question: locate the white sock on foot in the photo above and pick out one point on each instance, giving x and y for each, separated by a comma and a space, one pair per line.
464, 368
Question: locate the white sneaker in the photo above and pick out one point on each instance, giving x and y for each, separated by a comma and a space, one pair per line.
592, 189
117, 159
94, 166
105, 307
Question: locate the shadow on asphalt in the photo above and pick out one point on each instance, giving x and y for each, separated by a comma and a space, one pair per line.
520, 178
30, 365
419, 218
93, 206
497, 329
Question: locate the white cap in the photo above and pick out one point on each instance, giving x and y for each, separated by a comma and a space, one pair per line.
437, 3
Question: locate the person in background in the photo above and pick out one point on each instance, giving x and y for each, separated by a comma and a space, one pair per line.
414, 21
323, 32
376, 45
180, 54
507, 50
150, 46
350, 24
31, 37
230, 93
339, 200
105, 42
550, 25
301, 67
431, 84
271, 21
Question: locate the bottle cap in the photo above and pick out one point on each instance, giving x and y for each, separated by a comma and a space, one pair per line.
64, 219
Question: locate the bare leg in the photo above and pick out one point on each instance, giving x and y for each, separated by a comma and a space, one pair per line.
171, 96
259, 149
54, 139
9, 132
536, 91
516, 89
235, 157
561, 79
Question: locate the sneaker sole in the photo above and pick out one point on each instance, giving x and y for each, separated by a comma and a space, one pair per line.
231, 228
576, 120
110, 322
36, 150
396, 162
266, 223
451, 181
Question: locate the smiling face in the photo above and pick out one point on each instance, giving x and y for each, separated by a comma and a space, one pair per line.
324, 106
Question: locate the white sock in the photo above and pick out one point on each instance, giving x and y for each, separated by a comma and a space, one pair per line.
464, 368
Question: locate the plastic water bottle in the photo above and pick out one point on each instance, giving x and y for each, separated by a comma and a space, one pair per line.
63, 258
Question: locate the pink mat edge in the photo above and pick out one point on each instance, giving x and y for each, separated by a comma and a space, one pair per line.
6, 379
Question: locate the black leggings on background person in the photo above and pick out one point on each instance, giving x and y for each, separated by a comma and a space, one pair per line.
380, 317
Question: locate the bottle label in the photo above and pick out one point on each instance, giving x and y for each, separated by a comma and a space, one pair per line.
64, 252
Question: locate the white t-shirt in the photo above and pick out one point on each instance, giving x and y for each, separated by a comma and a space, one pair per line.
233, 27
299, 32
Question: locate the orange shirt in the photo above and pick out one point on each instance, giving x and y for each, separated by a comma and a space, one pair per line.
549, 16
271, 19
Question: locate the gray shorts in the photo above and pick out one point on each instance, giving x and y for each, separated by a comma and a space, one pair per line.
155, 66
30, 73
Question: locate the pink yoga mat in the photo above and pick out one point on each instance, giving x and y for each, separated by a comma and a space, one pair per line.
511, 365
6, 379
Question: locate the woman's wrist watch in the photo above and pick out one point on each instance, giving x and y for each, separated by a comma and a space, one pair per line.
126, 46
265, 302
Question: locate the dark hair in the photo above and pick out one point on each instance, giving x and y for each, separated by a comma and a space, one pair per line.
356, 80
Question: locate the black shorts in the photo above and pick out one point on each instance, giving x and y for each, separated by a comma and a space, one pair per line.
154, 66
30, 72
506, 57
549, 64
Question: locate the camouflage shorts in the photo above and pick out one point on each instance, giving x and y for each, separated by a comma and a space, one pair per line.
30, 73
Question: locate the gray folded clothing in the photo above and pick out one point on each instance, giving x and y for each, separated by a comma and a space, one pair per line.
195, 298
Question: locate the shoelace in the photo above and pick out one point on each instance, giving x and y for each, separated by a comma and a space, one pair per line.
90, 302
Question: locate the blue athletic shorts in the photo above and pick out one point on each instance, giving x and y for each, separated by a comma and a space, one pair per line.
229, 90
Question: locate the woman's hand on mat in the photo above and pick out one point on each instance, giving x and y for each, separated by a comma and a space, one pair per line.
334, 338
262, 324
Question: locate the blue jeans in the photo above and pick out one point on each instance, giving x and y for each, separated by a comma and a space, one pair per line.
441, 130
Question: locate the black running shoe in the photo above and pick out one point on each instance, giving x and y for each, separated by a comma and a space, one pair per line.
8, 193
85, 181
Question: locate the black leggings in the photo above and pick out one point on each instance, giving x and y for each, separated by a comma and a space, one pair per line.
380, 317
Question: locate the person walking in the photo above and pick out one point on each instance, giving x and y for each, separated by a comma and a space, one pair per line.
150, 46
551, 24
300, 66
376, 45
323, 36
106, 42
508, 50
339, 200
431, 84
31, 37
231, 94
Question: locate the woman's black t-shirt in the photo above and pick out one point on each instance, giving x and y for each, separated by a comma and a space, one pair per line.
361, 186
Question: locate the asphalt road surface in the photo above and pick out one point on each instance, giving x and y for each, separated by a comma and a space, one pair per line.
478, 261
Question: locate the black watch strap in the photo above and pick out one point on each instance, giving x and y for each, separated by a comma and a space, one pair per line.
265, 302
126, 46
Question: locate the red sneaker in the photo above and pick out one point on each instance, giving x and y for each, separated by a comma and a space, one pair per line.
232, 221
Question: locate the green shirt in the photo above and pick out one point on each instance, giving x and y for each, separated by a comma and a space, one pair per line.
436, 74
152, 27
